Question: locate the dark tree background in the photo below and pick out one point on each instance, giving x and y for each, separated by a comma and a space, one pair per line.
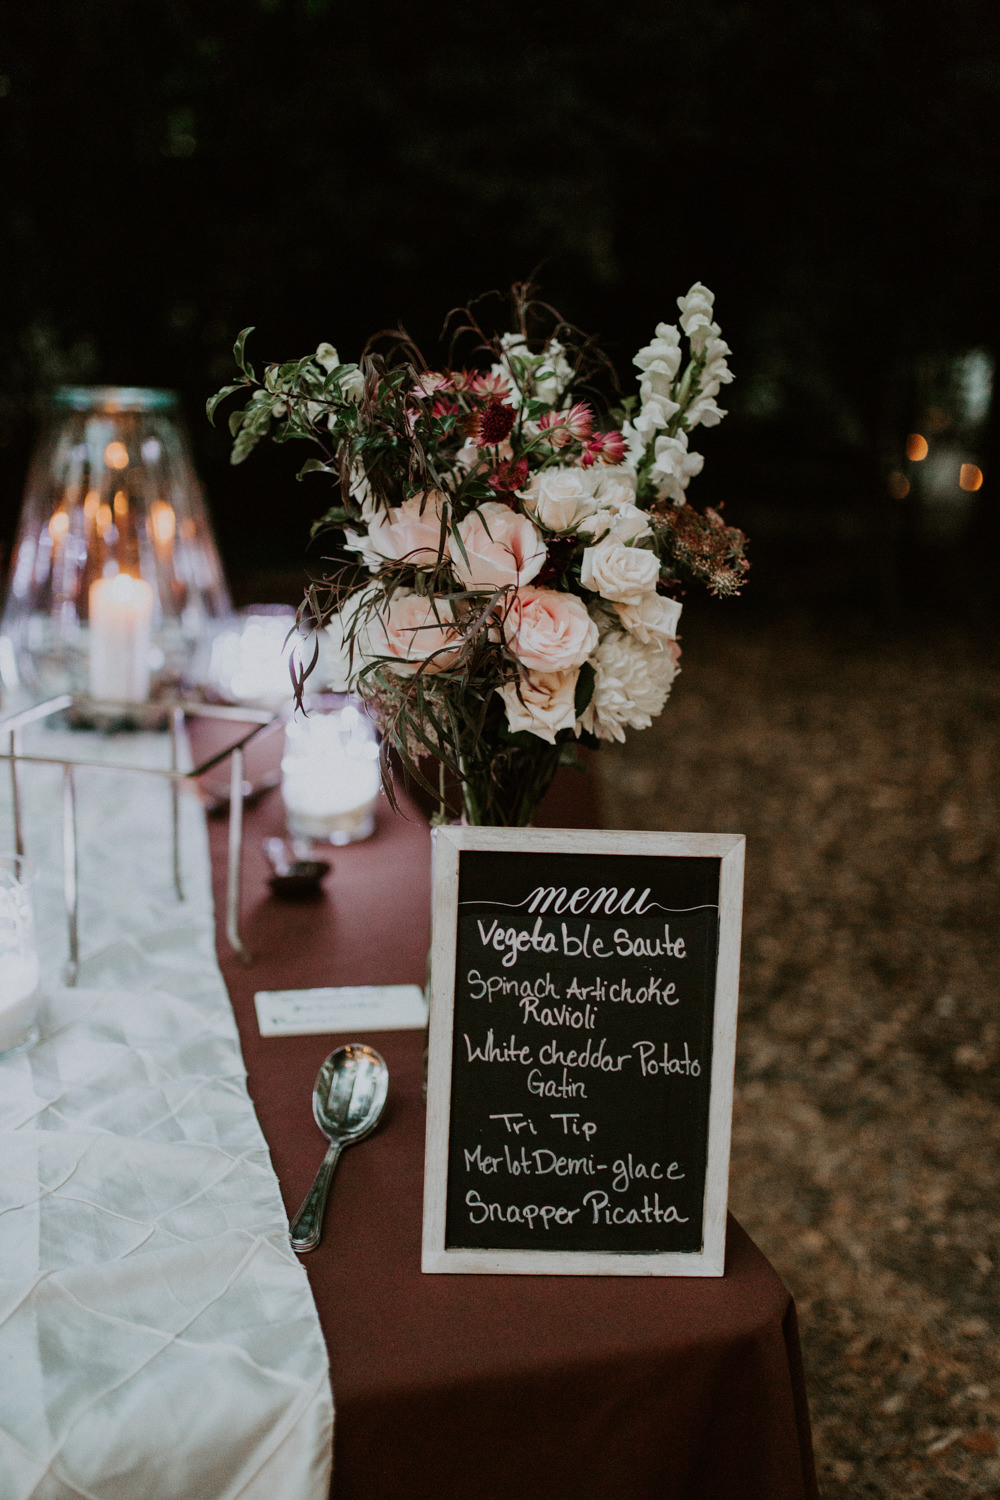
176, 170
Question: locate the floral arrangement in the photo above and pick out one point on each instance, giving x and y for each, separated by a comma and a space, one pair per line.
510, 562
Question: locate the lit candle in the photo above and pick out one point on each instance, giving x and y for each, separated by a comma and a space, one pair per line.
121, 628
330, 777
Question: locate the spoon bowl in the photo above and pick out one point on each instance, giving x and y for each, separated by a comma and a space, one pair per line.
348, 1099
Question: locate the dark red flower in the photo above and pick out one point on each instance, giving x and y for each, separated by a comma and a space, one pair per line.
558, 555
491, 424
511, 475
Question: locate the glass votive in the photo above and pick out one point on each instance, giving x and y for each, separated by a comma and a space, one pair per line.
330, 776
18, 956
250, 660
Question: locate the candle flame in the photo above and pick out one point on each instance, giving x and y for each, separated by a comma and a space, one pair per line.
121, 503
104, 517
116, 456
91, 505
916, 447
163, 521
58, 524
970, 477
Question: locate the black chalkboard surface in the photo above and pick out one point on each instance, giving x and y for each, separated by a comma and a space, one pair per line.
582, 1035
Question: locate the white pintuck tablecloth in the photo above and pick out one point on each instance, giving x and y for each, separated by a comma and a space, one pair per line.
157, 1334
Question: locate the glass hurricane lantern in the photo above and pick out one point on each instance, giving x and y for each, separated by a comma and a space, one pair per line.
115, 588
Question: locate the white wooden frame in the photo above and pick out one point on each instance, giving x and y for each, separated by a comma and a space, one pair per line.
449, 842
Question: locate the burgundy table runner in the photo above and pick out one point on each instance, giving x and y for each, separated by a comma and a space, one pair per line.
491, 1387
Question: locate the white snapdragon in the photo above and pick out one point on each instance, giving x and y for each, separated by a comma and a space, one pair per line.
663, 354
631, 684
635, 444
653, 416
545, 377
715, 373
659, 363
673, 466
697, 312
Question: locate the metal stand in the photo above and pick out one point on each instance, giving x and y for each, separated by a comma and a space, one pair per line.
178, 710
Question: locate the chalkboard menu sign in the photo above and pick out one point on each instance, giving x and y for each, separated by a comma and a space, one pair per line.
582, 1036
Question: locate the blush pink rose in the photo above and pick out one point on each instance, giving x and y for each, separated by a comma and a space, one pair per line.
410, 532
549, 631
501, 548
413, 631
541, 703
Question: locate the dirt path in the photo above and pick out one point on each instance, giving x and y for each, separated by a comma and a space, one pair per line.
864, 771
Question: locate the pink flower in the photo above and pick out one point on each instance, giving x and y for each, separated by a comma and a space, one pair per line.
606, 447
548, 631
564, 427
410, 532
414, 632
496, 547
541, 703
432, 381
488, 385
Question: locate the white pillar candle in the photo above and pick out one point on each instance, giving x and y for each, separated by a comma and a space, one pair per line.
121, 631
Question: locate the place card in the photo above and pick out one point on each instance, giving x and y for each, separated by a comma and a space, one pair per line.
362, 1007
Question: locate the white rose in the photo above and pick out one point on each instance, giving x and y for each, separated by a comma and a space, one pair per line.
619, 573
327, 356
615, 485
626, 522
560, 498
357, 541
652, 621
631, 684
541, 703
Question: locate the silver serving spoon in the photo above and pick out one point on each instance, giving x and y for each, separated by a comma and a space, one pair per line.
348, 1098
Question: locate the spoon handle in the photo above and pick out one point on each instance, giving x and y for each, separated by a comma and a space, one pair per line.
307, 1226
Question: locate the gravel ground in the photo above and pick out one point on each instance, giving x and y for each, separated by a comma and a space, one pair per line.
862, 767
